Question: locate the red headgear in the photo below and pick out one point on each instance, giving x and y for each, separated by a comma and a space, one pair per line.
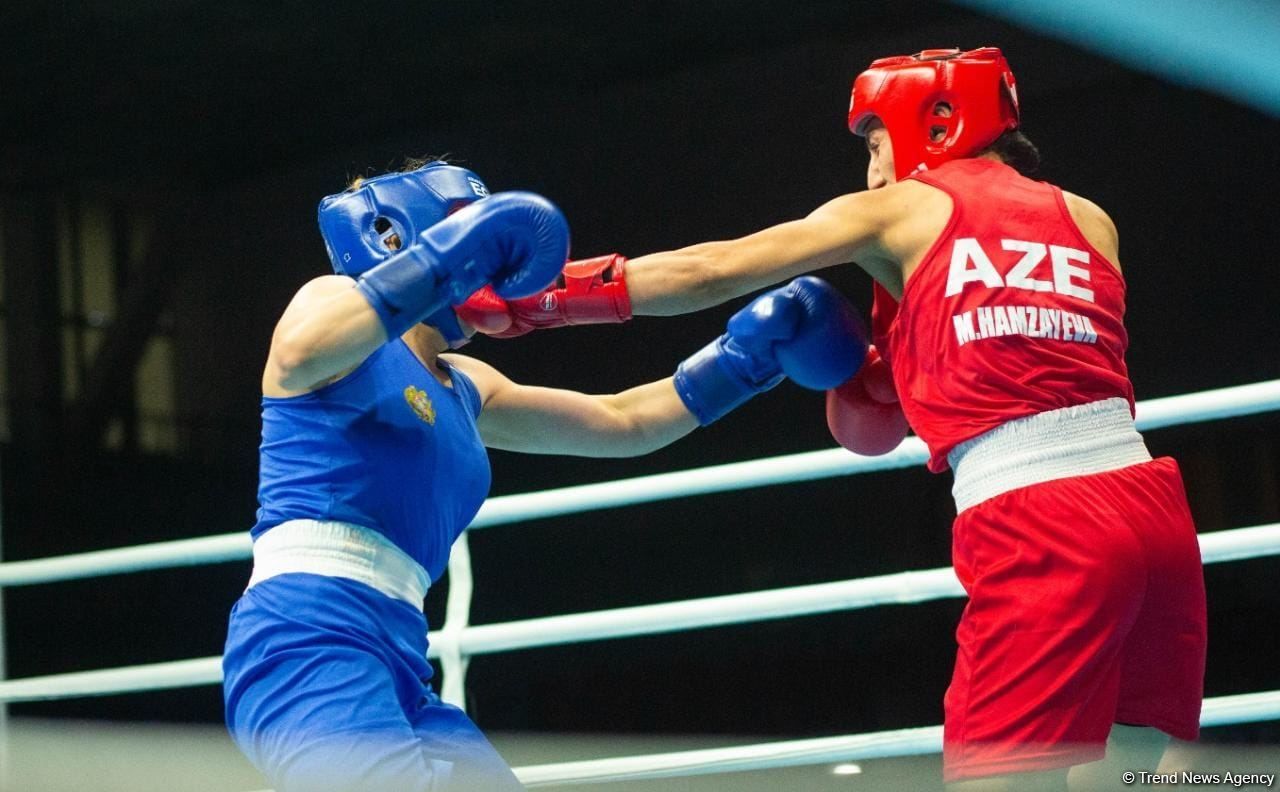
937, 105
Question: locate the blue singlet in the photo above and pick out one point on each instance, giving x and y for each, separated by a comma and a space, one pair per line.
325, 679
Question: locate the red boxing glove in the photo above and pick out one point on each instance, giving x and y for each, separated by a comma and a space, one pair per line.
863, 414
591, 291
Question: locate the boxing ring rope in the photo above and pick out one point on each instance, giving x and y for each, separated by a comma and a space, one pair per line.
824, 750
893, 589
1212, 405
457, 641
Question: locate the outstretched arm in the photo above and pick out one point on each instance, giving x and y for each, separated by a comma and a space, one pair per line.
862, 227
537, 420
700, 276
805, 331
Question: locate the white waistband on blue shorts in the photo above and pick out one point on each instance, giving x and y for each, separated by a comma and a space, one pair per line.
338, 549
1073, 441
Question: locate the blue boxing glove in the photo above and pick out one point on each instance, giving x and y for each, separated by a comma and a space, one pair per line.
805, 330
517, 241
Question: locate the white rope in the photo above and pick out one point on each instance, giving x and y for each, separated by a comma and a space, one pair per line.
1152, 414
1245, 708
898, 588
894, 589
460, 641
1210, 405
158, 555
1241, 708
127, 679
1219, 711
762, 756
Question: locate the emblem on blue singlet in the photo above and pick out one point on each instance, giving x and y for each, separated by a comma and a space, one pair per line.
421, 404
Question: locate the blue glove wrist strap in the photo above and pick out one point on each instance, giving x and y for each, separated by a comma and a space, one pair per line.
404, 290
710, 386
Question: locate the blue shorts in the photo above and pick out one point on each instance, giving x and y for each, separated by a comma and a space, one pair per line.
327, 687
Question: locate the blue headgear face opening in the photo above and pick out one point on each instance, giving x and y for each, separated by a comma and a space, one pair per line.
358, 224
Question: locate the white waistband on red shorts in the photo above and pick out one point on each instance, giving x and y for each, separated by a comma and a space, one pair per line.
1073, 441
338, 549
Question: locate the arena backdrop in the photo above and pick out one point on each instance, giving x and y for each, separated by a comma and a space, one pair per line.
159, 169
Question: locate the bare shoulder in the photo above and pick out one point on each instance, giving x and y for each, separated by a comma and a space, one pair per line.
888, 204
1085, 211
1095, 224
306, 299
920, 214
487, 379
917, 207
323, 287
896, 224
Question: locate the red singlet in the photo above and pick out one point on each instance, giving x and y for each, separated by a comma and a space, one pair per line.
1078, 552
1011, 313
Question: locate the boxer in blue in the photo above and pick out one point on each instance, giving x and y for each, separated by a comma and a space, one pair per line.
373, 461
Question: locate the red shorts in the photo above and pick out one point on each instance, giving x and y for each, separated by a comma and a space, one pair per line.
1086, 608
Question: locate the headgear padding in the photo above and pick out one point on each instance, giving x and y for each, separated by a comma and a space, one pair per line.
358, 223
937, 105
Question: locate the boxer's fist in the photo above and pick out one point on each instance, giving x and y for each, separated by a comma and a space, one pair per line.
516, 241
490, 314
863, 413
591, 291
805, 330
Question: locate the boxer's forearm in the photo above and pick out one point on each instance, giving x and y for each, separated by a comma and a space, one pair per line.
701, 276
680, 281
536, 420
654, 415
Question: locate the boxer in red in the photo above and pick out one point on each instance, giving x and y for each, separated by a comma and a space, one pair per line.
998, 319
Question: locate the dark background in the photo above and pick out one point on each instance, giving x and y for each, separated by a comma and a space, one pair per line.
652, 125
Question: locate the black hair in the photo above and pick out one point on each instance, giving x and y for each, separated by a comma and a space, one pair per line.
407, 165
1017, 151
413, 163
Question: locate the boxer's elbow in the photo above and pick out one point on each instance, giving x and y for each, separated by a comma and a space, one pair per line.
718, 279
296, 361
730, 269
626, 436
291, 368
640, 440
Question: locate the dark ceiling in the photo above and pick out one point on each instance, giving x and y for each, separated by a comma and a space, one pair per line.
145, 91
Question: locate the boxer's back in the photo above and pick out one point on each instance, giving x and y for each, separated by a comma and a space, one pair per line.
1012, 312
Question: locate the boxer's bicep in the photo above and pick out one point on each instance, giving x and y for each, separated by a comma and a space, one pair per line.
326, 330
851, 226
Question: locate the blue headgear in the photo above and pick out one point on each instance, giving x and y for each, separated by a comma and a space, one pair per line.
356, 224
